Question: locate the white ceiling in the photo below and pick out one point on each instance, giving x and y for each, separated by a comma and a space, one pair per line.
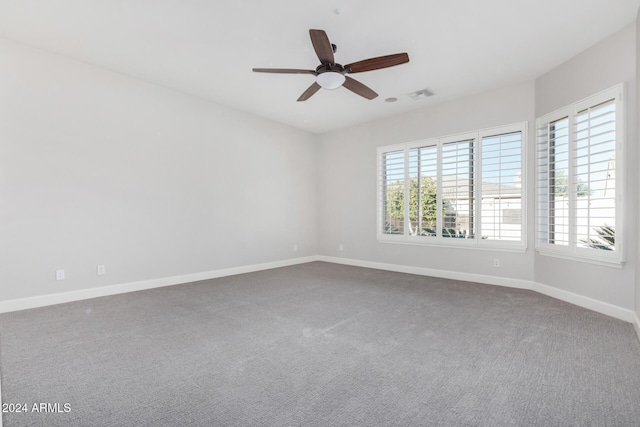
208, 47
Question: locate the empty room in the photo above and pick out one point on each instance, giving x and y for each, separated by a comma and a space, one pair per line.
297, 213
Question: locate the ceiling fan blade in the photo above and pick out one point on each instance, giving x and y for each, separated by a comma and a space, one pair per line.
310, 91
322, 46
283, 71
377, 63
359, 88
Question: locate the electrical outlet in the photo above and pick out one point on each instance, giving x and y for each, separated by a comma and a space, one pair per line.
59, 274
496, 262
101, 270
341, 247
295, 247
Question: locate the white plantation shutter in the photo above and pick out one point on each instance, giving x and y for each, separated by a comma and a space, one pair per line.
579, 182
558, 178
414, 191
595, 174
391, 174
423, 170
542, 183
501, 188
458, 188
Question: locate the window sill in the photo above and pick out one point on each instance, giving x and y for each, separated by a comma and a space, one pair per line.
465, 244
612, 263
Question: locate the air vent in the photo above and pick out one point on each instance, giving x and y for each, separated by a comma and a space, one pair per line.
421, 94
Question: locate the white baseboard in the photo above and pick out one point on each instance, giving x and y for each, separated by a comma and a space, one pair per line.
59, 298
636, 324
570, 297
445, 274
585, 302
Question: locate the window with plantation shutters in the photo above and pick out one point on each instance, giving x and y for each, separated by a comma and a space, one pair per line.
392, 191
579, 205
553, 179
459, 190
501, 186
423, 179
595, 176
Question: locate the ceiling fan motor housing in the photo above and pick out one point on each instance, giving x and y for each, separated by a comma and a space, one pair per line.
336, 68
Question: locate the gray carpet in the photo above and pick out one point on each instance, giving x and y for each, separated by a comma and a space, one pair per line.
321, 345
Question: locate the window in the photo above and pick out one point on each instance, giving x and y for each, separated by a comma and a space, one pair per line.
579, 185
502, 186
457, 170
461, 190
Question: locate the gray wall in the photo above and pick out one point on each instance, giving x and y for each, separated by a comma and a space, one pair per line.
100, 168
609, 62
348, 183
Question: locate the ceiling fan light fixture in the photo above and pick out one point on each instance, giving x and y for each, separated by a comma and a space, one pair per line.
330, 79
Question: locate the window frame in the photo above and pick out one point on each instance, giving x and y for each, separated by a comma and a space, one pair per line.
438, 240
572, 251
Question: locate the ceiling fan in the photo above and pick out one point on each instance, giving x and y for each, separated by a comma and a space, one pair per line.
330, 75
